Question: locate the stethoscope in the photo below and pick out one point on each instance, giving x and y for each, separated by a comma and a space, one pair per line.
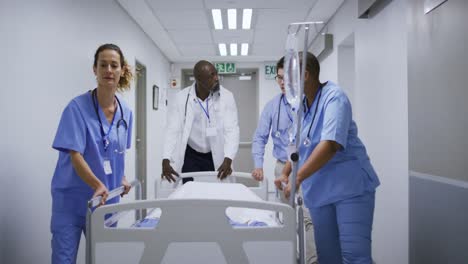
277, 134
120, 122
307, 142
186, 102
187, 99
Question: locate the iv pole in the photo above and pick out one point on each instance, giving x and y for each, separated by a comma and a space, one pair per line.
295, 154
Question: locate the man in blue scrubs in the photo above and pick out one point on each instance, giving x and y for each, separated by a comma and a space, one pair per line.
335, 173
93, 134
277, 118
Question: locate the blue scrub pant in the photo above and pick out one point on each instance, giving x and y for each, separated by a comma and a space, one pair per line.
66, 231
343, 230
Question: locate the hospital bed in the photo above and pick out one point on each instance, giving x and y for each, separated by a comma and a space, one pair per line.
198, 222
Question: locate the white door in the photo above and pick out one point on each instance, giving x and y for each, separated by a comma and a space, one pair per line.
246, 95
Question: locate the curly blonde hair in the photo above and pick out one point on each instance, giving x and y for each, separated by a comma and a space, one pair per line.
125, 78
127, 74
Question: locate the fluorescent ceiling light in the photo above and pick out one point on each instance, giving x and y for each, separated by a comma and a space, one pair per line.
245, 78
244, 49
246, 18
217, 20
232, 18
222, 49
233, 47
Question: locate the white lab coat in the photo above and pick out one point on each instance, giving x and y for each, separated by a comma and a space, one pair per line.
179, 124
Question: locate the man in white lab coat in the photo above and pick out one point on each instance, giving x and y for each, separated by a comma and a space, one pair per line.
202, 132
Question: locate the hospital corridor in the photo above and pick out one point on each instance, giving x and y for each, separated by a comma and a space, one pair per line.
234, 131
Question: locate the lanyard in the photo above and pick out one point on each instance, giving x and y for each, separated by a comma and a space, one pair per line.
207, 110
105, 136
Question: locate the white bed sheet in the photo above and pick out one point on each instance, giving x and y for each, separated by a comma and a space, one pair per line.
226, 191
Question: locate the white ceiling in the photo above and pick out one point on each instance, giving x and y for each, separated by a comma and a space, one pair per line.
184, 31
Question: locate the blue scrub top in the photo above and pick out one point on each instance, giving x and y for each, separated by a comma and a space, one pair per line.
269, 122
79, 130
349, 173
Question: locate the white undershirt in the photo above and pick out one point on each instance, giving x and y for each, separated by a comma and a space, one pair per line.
197, 138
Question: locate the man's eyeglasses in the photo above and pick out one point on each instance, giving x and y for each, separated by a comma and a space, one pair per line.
279, 78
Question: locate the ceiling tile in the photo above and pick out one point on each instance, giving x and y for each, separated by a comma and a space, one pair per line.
198, 50
275, 51
191, 36
176, 4
233, 36
184, 19
257, 3
278, 19
271, 37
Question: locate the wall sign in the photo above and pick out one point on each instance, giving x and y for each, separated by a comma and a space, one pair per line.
225, 67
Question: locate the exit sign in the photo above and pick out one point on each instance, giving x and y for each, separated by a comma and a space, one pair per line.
270, 71
225, 67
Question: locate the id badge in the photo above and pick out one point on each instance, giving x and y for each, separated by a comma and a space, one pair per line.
211, 131
107, 167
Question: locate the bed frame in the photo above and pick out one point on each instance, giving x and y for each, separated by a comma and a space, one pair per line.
188, 226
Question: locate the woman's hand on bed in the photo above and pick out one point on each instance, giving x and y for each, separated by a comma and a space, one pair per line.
288, 187
281, 181
287, 190
257, 174
225, 169
103, 192
127, 186
167, 171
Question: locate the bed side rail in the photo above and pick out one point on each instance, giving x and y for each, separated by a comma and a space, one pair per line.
135, 184
116, 192
177, 222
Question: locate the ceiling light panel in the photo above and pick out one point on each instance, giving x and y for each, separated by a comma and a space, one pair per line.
235, 36
245, 49
246, 18
217, 19
233, 49
232, 18
222, 49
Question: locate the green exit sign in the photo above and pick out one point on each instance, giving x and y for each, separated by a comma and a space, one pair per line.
270, 71
225, 67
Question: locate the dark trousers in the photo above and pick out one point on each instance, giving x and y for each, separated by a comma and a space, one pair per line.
195, 161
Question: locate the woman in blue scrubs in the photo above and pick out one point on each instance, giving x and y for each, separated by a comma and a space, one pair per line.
335, 173
92, 136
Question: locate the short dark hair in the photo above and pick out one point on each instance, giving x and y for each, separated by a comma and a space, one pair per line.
312, 64
198, 68
280, 64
